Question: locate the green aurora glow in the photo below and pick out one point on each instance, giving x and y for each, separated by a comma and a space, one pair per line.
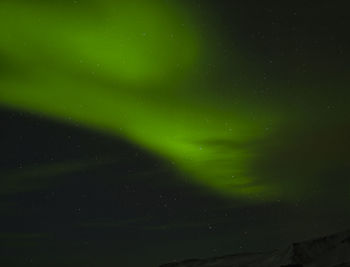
137, 71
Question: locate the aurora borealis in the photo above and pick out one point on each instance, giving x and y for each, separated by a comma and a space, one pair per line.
235, 107
150, 95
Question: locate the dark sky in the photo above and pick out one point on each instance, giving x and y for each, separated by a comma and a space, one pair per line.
139, 134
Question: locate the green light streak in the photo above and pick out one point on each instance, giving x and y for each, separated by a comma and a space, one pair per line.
127, 69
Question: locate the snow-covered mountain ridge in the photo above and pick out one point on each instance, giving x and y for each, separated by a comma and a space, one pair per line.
327, 251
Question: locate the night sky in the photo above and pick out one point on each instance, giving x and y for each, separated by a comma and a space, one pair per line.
135, 133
